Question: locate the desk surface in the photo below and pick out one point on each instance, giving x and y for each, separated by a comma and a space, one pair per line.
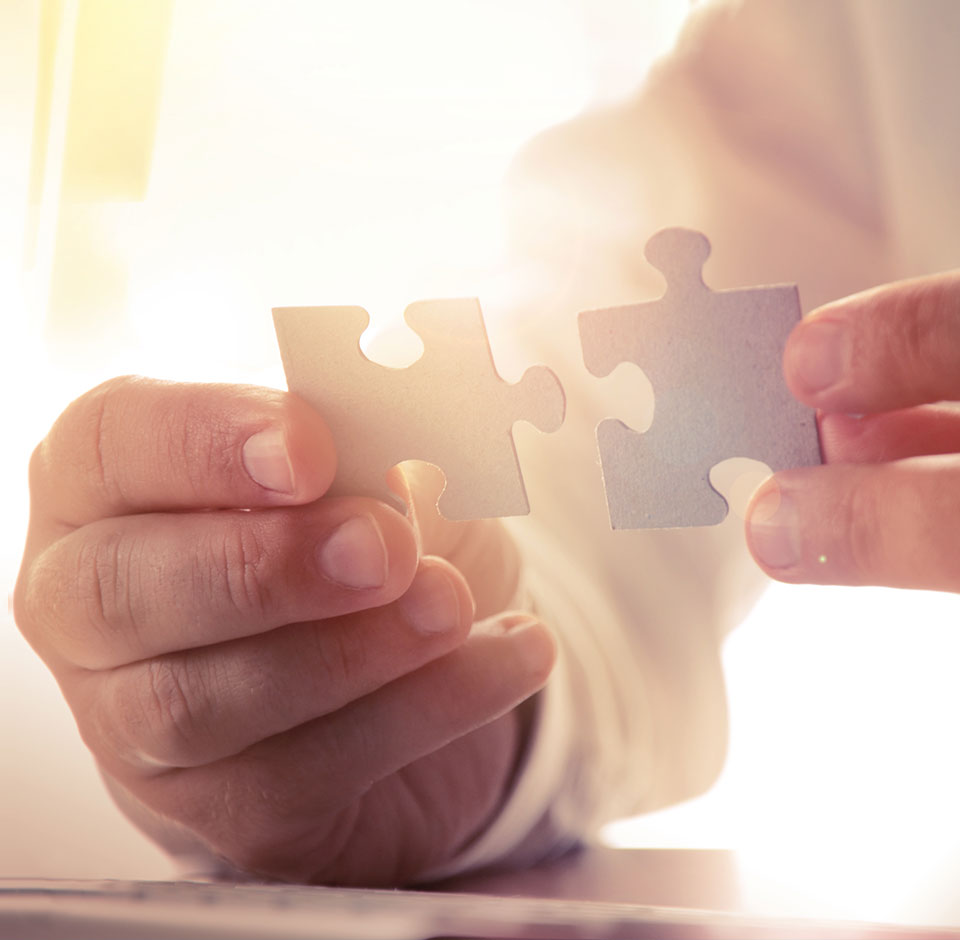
599, 894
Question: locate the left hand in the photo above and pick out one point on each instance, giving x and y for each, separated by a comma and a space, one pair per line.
883, 369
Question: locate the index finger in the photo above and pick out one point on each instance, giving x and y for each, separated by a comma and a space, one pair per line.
892, 347
136, 445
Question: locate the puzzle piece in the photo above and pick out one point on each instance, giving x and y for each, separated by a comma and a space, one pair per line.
449, 408
714, 361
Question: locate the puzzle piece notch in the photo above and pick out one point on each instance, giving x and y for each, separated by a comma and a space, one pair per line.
713, 359
450, 408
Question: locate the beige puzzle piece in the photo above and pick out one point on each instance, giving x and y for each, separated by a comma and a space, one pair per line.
449, 408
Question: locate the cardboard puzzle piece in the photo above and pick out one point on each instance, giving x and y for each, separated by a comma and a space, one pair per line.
714, 361
449, 408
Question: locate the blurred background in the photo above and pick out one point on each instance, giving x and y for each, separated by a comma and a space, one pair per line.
170, 171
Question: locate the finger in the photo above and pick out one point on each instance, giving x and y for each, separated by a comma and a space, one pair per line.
295, 787
193, 708
895, 524
137, 445
127, 589
888, 348
481, 549
892, 435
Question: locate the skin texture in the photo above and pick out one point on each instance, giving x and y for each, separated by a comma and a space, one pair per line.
311, 689
883, 369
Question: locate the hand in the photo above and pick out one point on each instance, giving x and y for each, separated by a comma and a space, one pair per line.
883, 368
284, 680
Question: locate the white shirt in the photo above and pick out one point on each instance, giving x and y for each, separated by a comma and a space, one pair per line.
815, 142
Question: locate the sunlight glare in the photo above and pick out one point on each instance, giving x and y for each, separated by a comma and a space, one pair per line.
840, 786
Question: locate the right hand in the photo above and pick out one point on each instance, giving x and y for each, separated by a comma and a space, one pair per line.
279, 679
885, 507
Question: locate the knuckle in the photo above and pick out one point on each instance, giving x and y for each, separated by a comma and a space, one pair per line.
103, 407
154, 709
102, 583
339, 658
72, 596
205, 456
40, 602
78, 447
941, 311
243, 570
863, 535
278, 830
263, 821
925, 332
174, 441
90, 422
168, 697
913, 346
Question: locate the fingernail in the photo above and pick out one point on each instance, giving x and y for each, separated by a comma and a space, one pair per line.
431, 604
355, 555
820, 353
773, 533
266, 459
534, 645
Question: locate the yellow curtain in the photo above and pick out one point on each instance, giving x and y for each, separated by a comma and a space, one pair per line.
99, 78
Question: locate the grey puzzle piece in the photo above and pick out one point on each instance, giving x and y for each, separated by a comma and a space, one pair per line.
449, 408
714, 361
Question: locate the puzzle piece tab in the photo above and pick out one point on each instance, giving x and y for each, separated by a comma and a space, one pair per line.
449, 408
714, 361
